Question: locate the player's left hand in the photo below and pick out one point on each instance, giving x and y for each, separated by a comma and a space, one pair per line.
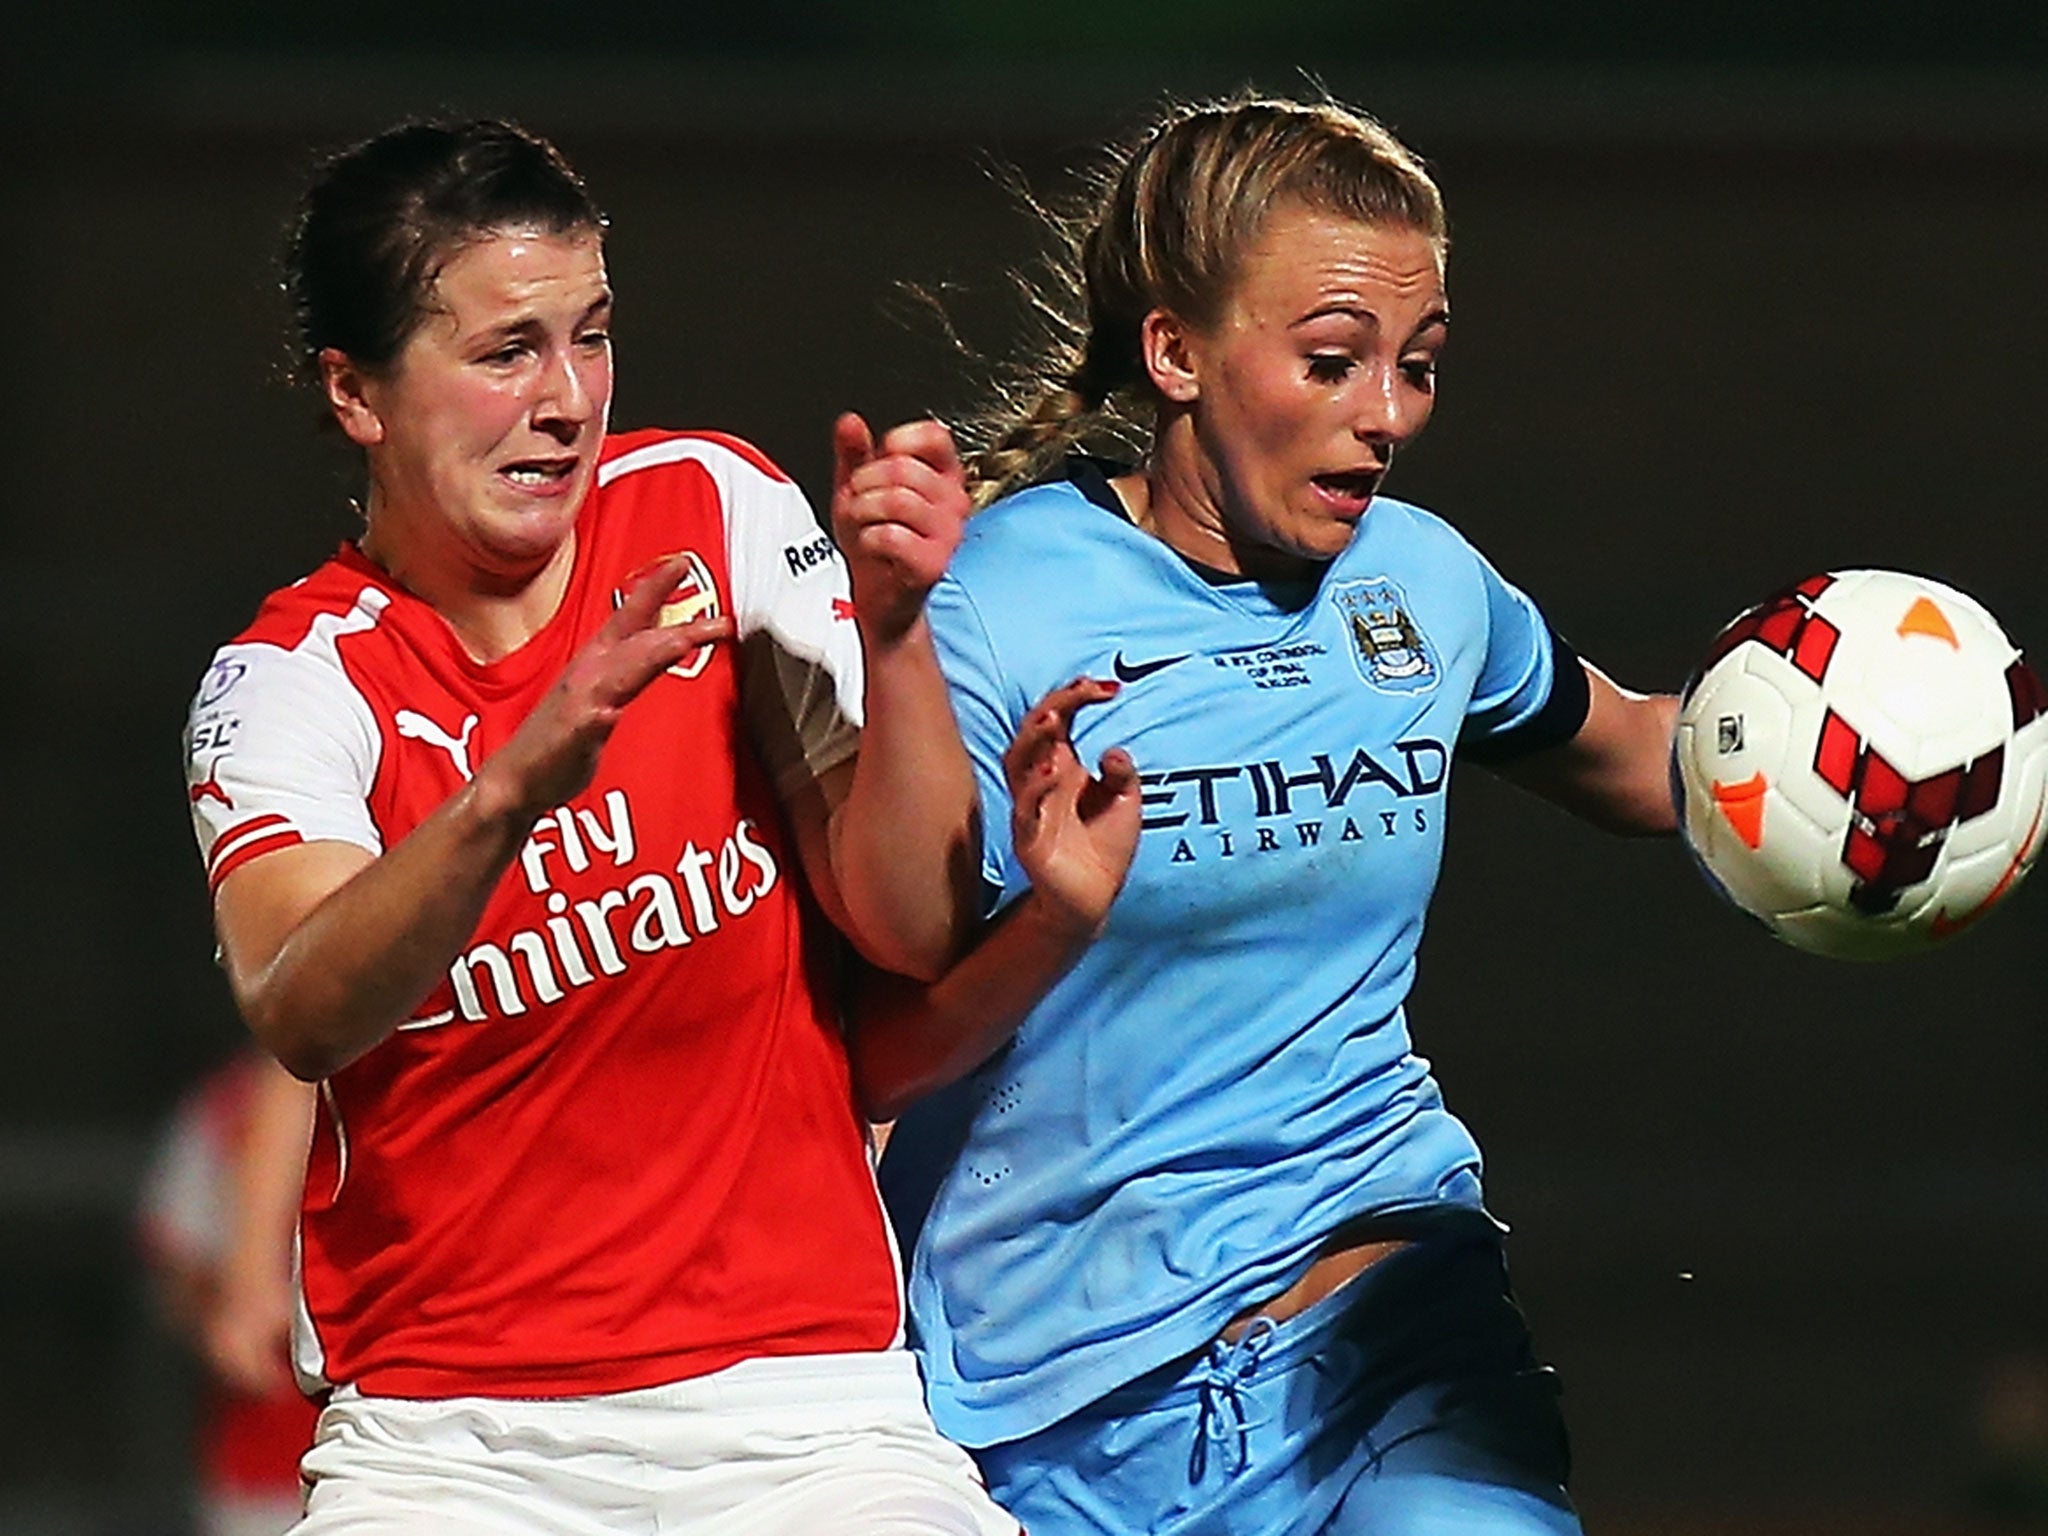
1074, 832
897, 511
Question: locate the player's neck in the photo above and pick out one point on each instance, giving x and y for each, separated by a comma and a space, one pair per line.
1170, 502
1179, 499
491, 612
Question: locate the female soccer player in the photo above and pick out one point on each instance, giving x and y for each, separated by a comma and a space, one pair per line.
514, 813
1199, 1248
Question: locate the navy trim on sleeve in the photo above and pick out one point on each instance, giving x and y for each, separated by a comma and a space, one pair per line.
1557, 722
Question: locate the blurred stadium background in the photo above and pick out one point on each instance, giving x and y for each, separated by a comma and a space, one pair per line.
1743, 290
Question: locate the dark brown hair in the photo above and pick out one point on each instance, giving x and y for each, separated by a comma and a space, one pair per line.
381, 219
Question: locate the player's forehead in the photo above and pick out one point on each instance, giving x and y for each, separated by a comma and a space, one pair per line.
1305, 261
517, 266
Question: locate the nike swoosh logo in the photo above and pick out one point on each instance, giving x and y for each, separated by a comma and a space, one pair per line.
1131, 671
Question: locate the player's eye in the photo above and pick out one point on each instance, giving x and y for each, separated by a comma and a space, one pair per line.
594, 339
1330, 367
1420, 372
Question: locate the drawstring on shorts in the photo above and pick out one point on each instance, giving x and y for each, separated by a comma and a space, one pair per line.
1224, 1375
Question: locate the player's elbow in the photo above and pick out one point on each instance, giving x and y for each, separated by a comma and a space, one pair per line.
307, 1060
890, 1049
912, 939
883, 1087
910, 906
883, 1094
288, 1034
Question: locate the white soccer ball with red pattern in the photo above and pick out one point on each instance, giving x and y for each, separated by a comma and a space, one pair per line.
1864, 763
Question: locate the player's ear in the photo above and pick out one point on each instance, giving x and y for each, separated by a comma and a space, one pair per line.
348, 396
1170, 353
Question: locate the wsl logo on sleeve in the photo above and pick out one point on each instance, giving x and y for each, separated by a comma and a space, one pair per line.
1389, 649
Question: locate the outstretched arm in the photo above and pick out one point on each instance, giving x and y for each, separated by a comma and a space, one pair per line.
1075, 834
901, 839
1616, 772
247, 1330
329, 948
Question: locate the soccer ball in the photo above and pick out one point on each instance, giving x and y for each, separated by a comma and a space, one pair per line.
1863, 763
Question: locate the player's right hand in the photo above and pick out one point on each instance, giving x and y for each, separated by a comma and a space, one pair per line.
1074, 832
898, 508
553, 755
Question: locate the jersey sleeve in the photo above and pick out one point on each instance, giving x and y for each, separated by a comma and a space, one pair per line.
802, 678
280, 749
986, 706
1532, 691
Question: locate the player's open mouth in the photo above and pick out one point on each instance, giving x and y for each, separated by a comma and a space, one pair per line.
540, 474
1348, 490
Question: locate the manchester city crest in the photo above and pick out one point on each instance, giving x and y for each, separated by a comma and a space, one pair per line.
1391, 652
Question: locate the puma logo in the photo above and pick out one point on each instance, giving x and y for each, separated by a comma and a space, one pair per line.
417, 727
209, 788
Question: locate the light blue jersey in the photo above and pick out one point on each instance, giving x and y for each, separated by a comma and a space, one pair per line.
1226, 1076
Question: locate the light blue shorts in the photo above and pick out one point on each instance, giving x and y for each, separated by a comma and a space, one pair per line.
1407, 1403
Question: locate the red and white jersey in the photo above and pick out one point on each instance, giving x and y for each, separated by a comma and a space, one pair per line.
617, 1145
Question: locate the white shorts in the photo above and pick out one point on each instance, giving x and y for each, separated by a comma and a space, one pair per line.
820, 1444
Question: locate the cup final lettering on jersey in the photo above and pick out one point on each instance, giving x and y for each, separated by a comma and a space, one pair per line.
582, 939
